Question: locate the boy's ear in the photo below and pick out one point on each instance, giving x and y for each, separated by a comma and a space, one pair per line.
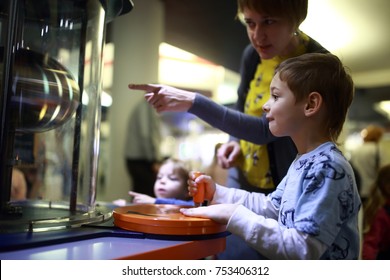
313, 104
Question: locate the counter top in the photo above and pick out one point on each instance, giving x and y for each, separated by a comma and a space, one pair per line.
106, 248
107, 242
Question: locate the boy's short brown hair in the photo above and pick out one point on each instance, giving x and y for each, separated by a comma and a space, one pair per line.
293, 10
325, 74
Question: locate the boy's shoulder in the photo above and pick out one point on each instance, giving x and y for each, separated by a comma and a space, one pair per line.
325, 154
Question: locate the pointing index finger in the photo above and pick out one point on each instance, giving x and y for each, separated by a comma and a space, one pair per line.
145, 87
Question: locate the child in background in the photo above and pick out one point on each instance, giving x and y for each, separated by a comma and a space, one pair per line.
170, 186
376, 218
313, 213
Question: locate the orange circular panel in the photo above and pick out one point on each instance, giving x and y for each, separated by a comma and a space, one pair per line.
163, 219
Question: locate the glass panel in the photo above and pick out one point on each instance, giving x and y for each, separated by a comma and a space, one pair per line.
50, 100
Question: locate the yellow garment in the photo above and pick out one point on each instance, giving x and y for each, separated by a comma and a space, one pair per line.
255, 164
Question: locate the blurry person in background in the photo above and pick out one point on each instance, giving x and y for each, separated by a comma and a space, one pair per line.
376, 241
366, 159
142, 148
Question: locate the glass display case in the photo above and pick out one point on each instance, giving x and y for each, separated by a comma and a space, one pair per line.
50, 85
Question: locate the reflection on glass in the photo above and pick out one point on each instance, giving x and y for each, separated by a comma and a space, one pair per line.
45, 95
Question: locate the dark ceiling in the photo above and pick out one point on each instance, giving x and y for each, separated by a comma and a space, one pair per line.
207, 28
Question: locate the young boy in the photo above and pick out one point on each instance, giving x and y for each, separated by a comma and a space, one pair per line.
313, 212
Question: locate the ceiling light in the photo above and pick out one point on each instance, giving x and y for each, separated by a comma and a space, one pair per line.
383, 107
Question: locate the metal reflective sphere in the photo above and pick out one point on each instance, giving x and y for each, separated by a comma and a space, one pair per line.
44, 93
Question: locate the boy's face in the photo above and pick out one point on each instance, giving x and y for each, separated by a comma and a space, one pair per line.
284, 115
169, 184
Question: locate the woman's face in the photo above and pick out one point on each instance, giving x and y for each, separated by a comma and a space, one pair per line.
169, 183
270, 36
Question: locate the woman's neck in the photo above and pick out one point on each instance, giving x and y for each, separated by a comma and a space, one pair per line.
291, 47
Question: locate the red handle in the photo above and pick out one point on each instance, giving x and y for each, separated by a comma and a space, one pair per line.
199, 196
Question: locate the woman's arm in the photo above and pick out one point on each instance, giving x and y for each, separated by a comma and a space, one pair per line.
169, 99
240, 125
